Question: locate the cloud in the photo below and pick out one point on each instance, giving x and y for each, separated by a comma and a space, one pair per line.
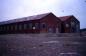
11, 9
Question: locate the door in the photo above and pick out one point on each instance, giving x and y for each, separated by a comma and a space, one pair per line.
50, 30
57, 30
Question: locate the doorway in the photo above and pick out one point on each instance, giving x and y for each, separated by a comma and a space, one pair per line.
50, 30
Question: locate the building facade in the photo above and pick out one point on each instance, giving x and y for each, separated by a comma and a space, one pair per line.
43, 23
70, 24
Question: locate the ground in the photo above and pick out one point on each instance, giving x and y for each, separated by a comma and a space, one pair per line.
42, 45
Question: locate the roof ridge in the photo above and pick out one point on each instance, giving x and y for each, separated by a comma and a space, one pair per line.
63, 18
33, 17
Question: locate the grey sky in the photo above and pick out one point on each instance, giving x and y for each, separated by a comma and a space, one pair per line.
11, 9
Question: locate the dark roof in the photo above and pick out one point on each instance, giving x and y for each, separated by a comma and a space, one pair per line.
35, 17
64, 18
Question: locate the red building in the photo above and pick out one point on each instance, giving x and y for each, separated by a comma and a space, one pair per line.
43, 23
70, 24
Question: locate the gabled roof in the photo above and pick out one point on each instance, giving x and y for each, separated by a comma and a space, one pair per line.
64, 18
35, 17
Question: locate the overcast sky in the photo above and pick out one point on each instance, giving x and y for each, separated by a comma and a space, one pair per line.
11, 9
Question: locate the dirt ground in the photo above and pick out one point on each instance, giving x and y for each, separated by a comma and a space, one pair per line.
42, 45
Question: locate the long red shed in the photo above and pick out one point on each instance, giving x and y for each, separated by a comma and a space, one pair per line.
43, 23
70, 24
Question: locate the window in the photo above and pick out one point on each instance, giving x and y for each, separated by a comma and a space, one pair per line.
11, 27
43, 25
30, 25
50, 30
67, 25
7, 28
0, 28
20, 27
3, 28
37, 25
16, 27
25, 26
72, 23
77, 28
